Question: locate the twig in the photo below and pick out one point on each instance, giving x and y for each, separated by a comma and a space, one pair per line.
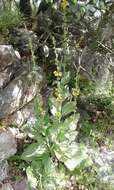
106, 47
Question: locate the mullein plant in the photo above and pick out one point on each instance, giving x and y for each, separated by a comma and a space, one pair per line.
55, 155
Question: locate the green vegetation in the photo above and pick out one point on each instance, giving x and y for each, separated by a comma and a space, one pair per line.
9, 19
75, 118
56, 157
55, 151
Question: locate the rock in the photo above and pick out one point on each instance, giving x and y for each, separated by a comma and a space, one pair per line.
98, 68
7, 145
4, 79
23, 119
25, 40
21, 185
92, 64
20, 92
7, 56
7, 186
104, 162
3, 170
22, 116
17, 134
9, 64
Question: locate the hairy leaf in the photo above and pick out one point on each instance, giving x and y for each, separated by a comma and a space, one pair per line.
33, 150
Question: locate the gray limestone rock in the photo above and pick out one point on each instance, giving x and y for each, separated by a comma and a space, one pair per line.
9, 64
21, 185
25, 40
7, 145
24, 115
7, 186
104, 162
7, 57
20, 92
3, 170
97, 67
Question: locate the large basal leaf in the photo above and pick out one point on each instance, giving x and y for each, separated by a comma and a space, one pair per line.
32, 181
71, 136
71, 155
71, 122
49, 185
68, 108
34, 150
55, 179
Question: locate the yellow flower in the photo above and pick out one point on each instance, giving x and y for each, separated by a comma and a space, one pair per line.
59, 98
75, 91
57, 73
42, 111
80, 41
64, 4
58, 115
55, 92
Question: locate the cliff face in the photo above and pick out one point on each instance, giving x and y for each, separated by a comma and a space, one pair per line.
19, 85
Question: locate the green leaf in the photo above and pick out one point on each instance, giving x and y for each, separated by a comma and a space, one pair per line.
54, 105
49, 185
68, 108
71, 122
74, 1
34, 150
49, 165
55, 179
71, 155
32, 181
66, 78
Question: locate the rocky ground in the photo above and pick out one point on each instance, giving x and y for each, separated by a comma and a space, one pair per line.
19, 85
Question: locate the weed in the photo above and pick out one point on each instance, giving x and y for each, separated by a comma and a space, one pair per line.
9, 19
